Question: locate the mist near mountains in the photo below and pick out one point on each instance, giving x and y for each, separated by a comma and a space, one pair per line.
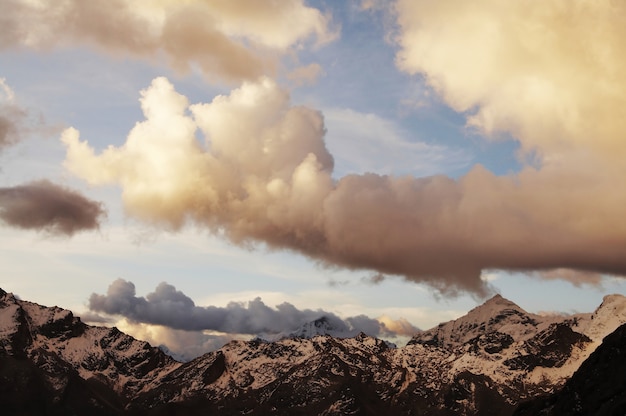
486, 362
171, 308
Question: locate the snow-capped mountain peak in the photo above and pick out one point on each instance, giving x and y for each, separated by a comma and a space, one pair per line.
482, 363
322, 326
56, 337
605, 319
317, 327
612, 305
497, 314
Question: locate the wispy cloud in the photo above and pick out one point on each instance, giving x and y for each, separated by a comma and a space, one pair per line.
13, 118
362, 143
224, 39
39, 205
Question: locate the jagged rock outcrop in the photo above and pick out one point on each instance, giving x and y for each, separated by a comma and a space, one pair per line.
497, 316
52, 363
597, 388
483, 363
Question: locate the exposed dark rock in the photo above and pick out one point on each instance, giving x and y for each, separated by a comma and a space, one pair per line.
491, 343
27, 389
549, 348
597, 388
53, 364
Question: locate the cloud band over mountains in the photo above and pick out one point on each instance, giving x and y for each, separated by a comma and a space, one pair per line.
171, 308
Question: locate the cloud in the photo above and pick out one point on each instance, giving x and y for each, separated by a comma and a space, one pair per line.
44, 206
263, 174
550, 73
307, 74
182, 345
231, 40
171, 308
39, 205
365, 142
400, 326
371, 4
374, 279
12, 116
575, 277
17, 122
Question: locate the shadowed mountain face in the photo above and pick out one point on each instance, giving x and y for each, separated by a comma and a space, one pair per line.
483, 363
598, 387
52, 363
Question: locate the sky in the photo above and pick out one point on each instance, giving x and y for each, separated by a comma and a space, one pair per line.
198, 171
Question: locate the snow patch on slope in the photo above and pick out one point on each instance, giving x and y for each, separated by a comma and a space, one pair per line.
605, 319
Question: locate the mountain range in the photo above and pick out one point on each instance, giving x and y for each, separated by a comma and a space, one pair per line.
496, 360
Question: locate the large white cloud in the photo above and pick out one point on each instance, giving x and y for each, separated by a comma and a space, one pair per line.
263, 174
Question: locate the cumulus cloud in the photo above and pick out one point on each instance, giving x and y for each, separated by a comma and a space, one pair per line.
232, 40
263, 174
549, 72
400, 326
44, 206
171, 308
180, 344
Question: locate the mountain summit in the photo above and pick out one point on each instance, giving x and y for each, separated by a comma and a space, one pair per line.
497, 315
50, 361
320, 326
483, 363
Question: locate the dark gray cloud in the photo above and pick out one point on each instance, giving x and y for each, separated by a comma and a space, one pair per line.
44, 206
169, 307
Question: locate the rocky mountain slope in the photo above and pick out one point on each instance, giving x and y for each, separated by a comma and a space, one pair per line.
483, 363
598, 387
51, 362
